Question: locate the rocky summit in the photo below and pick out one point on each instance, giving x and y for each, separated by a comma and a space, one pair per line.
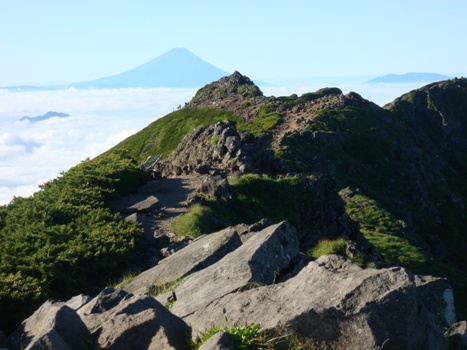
319, 221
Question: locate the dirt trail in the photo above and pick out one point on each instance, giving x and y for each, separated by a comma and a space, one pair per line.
172, 197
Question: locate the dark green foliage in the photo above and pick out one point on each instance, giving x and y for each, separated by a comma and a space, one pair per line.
63, 240
164, 135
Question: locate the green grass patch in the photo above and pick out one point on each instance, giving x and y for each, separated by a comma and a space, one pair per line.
201, 218
327, 247
385, 233
164, 135
123, 281
245, 337
261, 124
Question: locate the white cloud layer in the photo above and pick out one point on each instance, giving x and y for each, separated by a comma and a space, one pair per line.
33, 153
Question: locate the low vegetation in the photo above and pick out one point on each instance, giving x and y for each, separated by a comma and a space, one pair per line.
327, 247
245, 337
164, 135
63, 240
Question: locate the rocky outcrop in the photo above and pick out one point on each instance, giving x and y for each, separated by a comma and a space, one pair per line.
258, 262
112, 320
328, 303
216, 149
203, 252
335, 307
117, 320
53, 326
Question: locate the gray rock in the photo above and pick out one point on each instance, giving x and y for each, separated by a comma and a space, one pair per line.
78, 301
119, 319
219, 341
147, 205
202, 252
53, 326
149, 329
106, 300
344, 308
257, 262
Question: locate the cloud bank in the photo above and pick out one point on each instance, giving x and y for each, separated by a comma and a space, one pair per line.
33, 153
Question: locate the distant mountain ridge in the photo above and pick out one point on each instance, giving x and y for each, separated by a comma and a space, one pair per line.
409, 78
177, 68
48, 115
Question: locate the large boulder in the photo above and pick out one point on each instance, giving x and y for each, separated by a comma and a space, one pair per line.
118, 320
202, 252
53, 326
257, 262
334, 304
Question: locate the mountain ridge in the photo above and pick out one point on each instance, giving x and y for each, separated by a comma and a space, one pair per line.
411, 77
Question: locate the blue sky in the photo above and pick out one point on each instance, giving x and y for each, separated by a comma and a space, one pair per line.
56, 41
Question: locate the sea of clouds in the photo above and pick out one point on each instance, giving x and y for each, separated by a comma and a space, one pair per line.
33, 153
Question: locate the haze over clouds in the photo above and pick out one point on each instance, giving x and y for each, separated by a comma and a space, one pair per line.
32, 153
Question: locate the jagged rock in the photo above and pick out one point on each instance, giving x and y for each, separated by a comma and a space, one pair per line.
147, 205
257, 262
138, 203
78, 301
153, 329
53, 326
219, 341
106, 300
118, 319
457, 334
202, 252
216, 186
343, 308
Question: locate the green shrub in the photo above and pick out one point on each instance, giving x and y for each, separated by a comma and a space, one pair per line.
63, 240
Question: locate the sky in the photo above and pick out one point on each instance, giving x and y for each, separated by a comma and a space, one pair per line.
301, 45
55, 41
